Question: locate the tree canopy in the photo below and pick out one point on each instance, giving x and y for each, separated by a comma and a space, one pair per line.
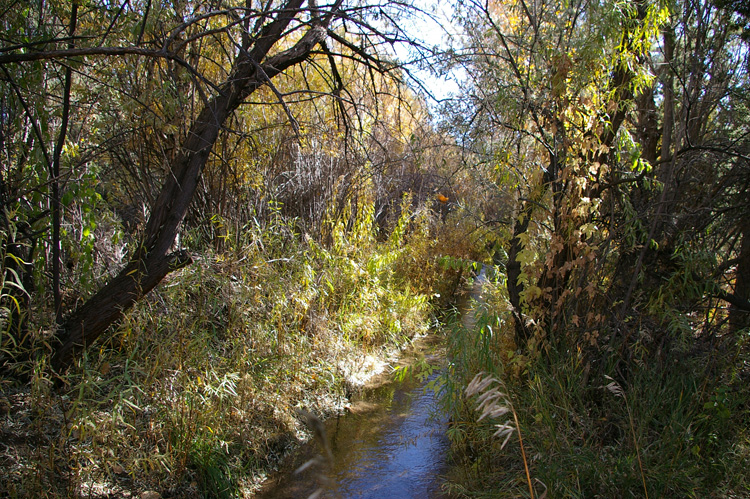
155, 102
224, 202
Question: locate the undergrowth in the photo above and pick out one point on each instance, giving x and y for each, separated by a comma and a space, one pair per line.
674, 428
196, 393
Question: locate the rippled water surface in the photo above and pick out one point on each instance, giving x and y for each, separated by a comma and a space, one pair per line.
394, 448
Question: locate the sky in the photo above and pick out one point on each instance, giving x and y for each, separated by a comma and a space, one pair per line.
431, 32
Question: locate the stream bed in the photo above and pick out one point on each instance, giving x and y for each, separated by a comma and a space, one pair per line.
391, 445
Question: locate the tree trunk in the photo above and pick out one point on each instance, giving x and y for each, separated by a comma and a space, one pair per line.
152, 261
513, 271
107, 306
668, 106
739, 317
55, 171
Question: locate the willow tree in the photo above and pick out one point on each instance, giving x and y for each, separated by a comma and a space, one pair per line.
216, 56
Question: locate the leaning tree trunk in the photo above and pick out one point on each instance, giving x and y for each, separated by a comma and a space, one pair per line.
153, 260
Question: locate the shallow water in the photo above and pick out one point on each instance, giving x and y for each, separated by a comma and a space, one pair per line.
395, 448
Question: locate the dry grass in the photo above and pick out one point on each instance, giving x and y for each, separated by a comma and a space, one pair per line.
494, 403
664, 429
196, 393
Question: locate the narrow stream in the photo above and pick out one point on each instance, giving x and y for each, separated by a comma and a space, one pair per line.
392, 446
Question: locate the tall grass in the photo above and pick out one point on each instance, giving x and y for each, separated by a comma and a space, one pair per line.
675, 428
197, 392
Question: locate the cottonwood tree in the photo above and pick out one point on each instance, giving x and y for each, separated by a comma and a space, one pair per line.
218, 53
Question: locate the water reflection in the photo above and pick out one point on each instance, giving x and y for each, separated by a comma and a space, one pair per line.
395, 448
